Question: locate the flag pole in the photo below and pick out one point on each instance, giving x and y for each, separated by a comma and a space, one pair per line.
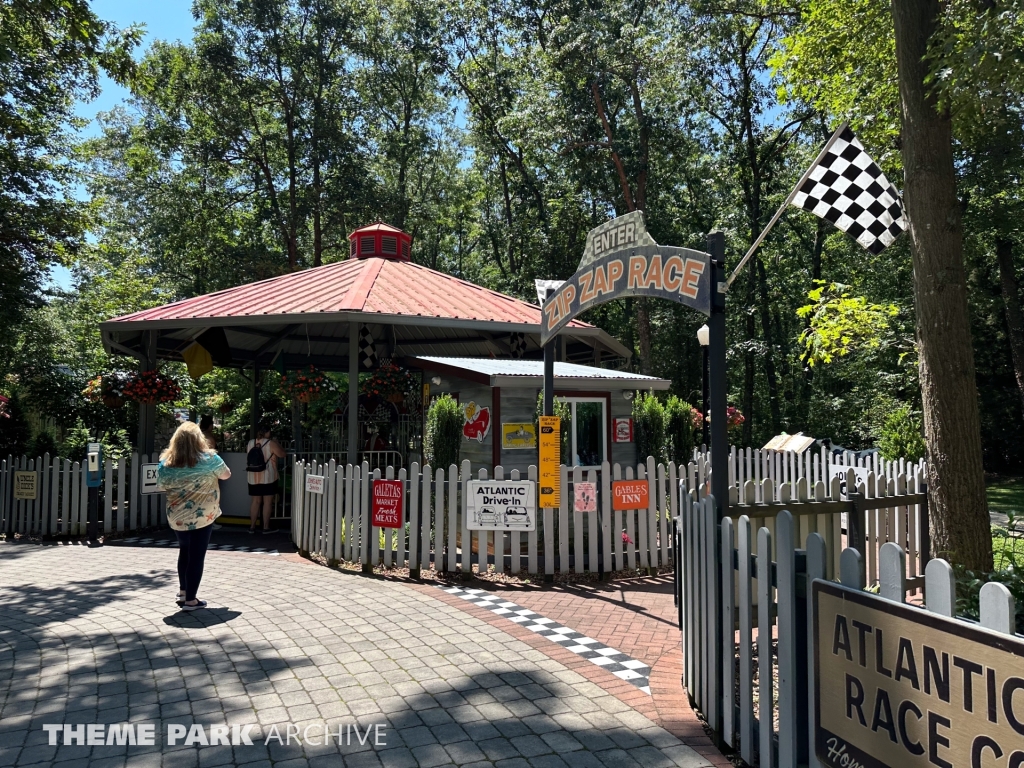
782, 208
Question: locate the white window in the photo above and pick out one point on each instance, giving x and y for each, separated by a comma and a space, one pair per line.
588, 430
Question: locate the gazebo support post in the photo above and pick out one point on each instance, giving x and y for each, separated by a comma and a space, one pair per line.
255, 412
147, 412
353, 393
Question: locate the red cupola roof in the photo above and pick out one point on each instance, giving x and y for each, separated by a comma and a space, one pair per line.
380, 241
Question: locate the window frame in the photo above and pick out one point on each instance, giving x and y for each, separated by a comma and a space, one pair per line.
571, 399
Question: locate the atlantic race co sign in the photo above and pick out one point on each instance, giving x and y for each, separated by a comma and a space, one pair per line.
622, 259
896, 685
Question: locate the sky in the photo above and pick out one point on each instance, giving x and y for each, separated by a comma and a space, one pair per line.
164, 20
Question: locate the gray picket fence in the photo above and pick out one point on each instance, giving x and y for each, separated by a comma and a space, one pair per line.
743, 610
815, 466
336, 524
61, 506
875, 510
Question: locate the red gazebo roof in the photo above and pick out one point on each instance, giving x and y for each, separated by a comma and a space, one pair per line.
310, 316
378, 286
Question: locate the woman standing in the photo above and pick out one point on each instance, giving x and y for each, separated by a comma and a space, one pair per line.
261, 474
188, 472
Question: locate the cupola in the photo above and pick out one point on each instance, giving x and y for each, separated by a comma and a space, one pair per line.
380, 241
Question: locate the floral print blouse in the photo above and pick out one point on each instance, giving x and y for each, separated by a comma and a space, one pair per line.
193, 494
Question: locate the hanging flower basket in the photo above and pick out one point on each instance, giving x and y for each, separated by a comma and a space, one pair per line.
107, 388
390, 381
151, 387
306, 385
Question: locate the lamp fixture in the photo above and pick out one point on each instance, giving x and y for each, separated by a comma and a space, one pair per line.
704, 335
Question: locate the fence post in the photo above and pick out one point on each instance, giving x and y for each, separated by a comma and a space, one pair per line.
940, 588
815, 567
726, 556
855, 529
789, 638
924, 529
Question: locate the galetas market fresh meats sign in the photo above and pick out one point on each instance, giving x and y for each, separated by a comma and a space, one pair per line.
387, 503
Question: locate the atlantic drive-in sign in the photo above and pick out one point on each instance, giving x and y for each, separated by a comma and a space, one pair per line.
622, 259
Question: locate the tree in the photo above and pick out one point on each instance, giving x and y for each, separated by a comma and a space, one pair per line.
51, 55
959, 519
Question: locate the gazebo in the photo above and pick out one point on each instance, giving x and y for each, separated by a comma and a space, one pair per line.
347, 316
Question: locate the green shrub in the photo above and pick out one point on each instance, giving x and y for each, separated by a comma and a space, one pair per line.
443, 438
679, 430
561, 409
901, 436
42, 444
14, 429
649, 427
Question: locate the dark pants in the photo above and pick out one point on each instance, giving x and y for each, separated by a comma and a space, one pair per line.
191, 557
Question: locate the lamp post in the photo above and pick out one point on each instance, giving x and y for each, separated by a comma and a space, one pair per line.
704, 338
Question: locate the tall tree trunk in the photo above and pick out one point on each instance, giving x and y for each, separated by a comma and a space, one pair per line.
959, 518
748, 364
643, 332
765, 308
1011, 304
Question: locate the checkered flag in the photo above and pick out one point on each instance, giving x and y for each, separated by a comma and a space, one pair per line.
846, 187
517, 344
367, 349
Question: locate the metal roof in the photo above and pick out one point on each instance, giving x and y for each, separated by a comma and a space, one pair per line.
307, 316
376, 286
520, 372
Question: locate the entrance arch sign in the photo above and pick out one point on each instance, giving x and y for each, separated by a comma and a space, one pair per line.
622, 259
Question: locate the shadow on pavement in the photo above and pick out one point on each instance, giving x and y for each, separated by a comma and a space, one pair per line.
204, 617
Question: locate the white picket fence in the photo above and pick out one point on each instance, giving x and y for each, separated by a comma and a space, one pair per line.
735, 597
336, 524
821, 465
61, 506
879, 510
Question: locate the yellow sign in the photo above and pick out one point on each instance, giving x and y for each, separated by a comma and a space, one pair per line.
550, 458
516, 437
896, 685
426, 396
26, 486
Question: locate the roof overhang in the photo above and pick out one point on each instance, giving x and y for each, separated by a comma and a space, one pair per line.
322, 338
601, 380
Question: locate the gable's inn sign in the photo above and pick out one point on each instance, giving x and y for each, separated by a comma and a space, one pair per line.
899, 687
621, 259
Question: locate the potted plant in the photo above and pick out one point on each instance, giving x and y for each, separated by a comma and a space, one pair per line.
149, 387
306, 385
107, 388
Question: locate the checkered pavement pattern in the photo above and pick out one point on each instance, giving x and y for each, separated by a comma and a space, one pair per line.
140, 541
847, 188
619, 664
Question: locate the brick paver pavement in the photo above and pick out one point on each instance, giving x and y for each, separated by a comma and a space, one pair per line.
93, 637
635, 616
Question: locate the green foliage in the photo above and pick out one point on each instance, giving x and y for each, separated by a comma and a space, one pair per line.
14, 429
116, 443
443, 439
902, 435
679, 429
649, 427
43, 443
53, 54
840, 323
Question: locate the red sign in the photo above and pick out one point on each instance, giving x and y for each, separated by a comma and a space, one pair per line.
387, 503
622, 430
630, 494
